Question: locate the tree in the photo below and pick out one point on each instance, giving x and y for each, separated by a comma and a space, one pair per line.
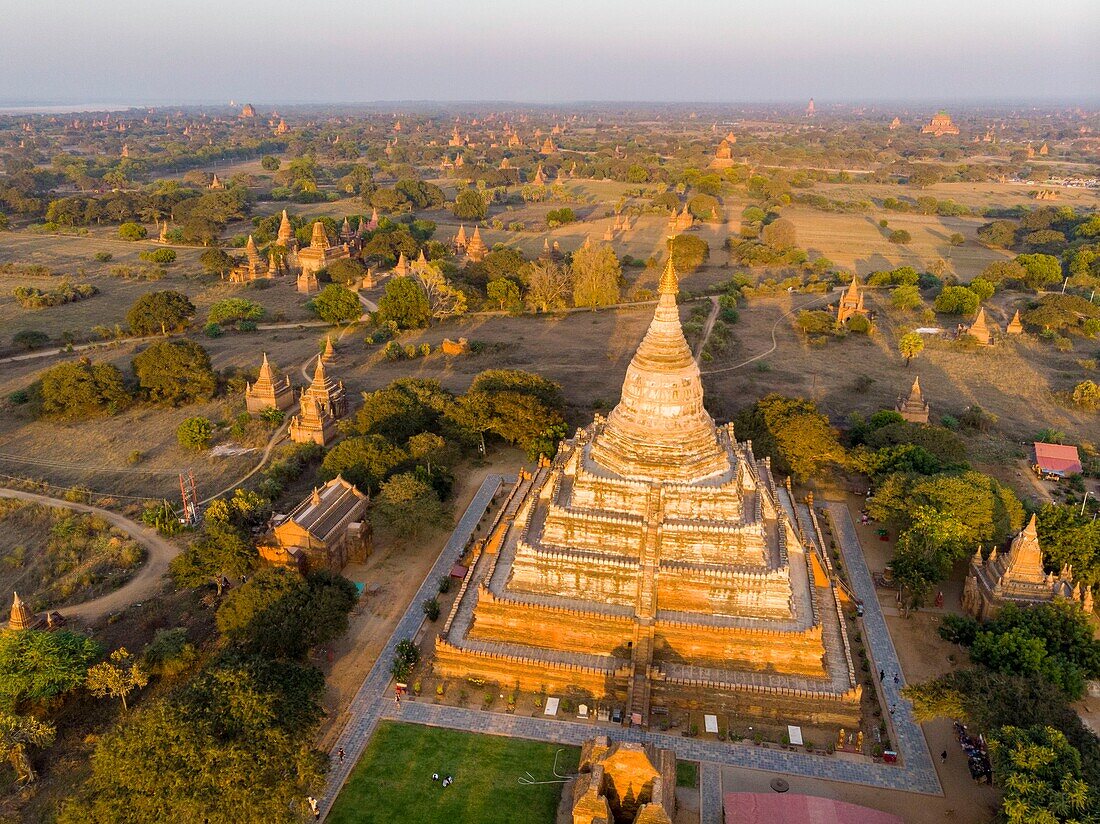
906, 297
221, 550
910, 345
548, 286
175, 372
83, 389
924, 176
402, 409
596, 276
160, 312
405, 658
228, 748
17, 732
364, 460
278, 613
1086, 394
1040, 270
195, 433
118, 677
957, 239
505, 293
981, 287
409, 507
560, 217
444, 299
230, 310
956, 300
131, 231
793, 432
1003, 271
270, 163
38, 665
470, 204
335, 304
405, 303
215, 261
899, 236
1041, 774
688, 253
1069, 538
428, 447
30, 339
1000, 233
780, 233
346, 271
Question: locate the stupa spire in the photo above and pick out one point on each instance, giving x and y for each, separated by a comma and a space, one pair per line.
660, 430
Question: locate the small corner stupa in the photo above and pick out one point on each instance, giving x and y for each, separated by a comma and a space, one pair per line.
1015, 326
979, 329
851, 303
913, 407
21, 617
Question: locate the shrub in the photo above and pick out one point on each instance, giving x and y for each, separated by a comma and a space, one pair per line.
1086, 394
213, 330
859, 324
900, 236
431, 609
103, 257
131, 231
159, 256
195, 433
234, 309
30, 339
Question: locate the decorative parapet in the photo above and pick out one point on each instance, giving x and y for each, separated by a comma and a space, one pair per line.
445, 646
461, 592
812, 632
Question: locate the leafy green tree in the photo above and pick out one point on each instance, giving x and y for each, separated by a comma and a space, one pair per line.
906, 297
175, 372
1040, 772
688, 253
346, 271
910, 345
160, 312
38, 665
1003, 271
215, 261
405, 303
505, 293
1040, 270
229, 310
1000, 233
281, 614
410, 507
520, 407
798, 437
335, 304
17, 733
1069, 538
924, 176
418, 194
270, 163
1086, 395
229, 748
405, 658
30, 339
220, 550
560, 217
83, 388
131, 231
901, 236
364, 460
402, 409
956, 300
118, 677
780, 233
596, 276
470, 204
195, 433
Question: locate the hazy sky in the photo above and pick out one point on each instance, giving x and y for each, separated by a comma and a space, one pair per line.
122, 51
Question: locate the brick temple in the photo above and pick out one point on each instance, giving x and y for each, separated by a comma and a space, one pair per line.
654, 562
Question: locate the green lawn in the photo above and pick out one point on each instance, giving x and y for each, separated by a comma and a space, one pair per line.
393, 780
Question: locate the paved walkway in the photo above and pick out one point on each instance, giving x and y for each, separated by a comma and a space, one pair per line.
145, 582
710, 793
909, 738
373, 696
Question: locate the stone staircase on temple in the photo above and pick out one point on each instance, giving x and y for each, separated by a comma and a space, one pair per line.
637, 699
646, 605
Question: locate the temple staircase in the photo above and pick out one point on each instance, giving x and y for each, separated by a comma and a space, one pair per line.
637, 698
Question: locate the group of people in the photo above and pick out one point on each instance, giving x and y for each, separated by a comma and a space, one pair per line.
448, 781
977, 756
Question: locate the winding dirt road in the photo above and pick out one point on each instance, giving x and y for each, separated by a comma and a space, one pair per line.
146, 581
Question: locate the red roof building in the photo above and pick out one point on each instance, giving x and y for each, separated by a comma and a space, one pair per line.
788, 808
1056, 459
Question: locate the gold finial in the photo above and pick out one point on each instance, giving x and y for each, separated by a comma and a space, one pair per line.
670, 283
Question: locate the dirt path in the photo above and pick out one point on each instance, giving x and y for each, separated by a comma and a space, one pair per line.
145, 582
775, 342
707, 328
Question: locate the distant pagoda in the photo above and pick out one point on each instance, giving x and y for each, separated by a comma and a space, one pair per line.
913, 406
270, 391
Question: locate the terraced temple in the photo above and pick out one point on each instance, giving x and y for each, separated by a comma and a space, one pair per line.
655, 562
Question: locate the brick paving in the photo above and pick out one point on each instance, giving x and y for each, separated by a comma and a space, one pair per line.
915, 773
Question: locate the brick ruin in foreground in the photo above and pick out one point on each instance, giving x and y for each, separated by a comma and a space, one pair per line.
654, 562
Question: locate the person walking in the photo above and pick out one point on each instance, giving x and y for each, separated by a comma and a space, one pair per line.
340, 754
943, 757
